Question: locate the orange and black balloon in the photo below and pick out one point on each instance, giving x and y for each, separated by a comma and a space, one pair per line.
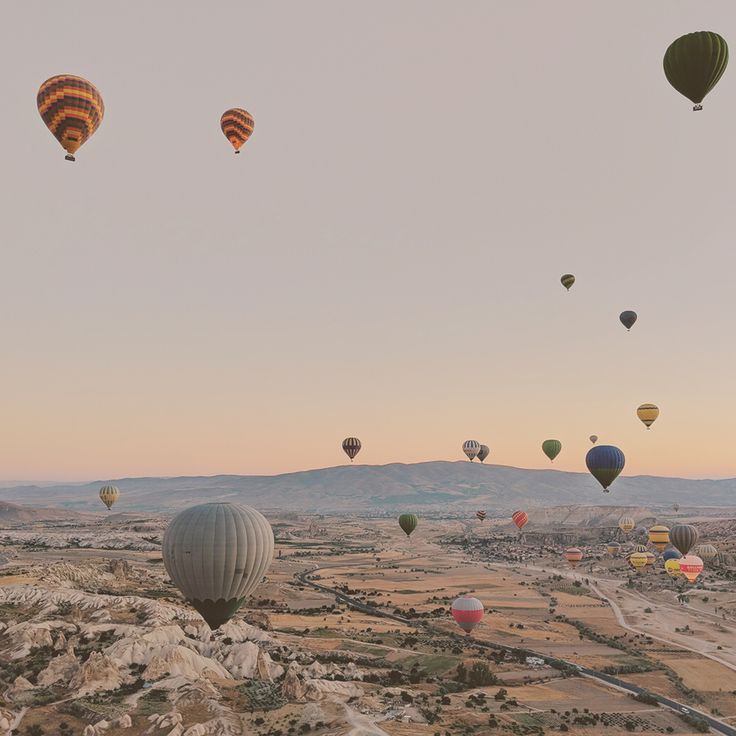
237, 125
72, 109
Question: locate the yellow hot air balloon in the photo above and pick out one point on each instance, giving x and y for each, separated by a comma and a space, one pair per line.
638, 560
72, 109
673, 568
659, 537
626, 524
108, 495
647, 413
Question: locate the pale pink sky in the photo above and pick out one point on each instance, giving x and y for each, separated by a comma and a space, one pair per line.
383, 259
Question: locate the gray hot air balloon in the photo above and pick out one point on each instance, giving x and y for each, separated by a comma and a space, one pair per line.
216, 554
483, 453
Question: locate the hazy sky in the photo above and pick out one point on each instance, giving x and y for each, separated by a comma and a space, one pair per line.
384, 257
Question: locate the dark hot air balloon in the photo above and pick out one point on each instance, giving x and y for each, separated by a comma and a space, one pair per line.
567, 280
628, 318
683, 537
694, 63
551, 448
351, 446
408, 522
605, 463
483, 452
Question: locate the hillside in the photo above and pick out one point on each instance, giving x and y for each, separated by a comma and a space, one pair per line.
12, 513
432, 486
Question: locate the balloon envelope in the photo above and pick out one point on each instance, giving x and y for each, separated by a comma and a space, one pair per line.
672, 567
216, 554
683, 537
647, 413
694, 63
691, 566
551, 448
594, 438
573, 555
237, 126
638, 560
468, 612
671, 554
481, 515
520, 518
628, 318
471, 449
626, 524
408, 522
567, 280
706, 551
605, 463
109, 494
483, 452
351, 447
659, 536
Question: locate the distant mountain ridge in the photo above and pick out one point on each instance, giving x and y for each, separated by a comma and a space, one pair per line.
430, 486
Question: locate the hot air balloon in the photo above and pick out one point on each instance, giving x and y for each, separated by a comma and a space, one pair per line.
706, 551
351, 446
640, 548
647, 413
408, 522
628, 318
691, 566
638, 560
594, 438
659, 536
481, 515
237, 125
683, 537
483, 452
672, 567
651, 559
567, 280
108, 495
694, 63
626, 524
72, 109
216, 554
675, 507
468, 612
613, 548
471, 448
671, 554
573, 555
551, 448
605, 462
520, 518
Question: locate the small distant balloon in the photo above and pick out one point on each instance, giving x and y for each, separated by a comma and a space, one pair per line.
648, 414
628, 318
237, 125
567, 280
471, 449
408, 523
520, 518
573, 555
551, 448
351, 446
594, 438
483, 452
626, 524
109, 495
480, 515
613, 548
706, 551
675, 507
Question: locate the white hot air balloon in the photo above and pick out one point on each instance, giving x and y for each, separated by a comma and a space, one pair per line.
216, 554
471, 449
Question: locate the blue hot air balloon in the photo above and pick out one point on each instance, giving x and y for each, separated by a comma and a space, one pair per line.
671, 554
605, 462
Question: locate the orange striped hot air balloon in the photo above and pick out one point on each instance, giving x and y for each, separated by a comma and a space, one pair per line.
237, 125
480, 515
520, 518
72, 109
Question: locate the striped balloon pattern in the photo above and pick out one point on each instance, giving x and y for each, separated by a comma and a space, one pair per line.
108, 495
659, 537
626, 524
237, 125
567, 280
481, 515
471, 449
520, 518
467, 612
683, 537
605, 463
351, 446
638, 560
408, 523
706, 551
72, 109
573, 555
483, 452
613, 548
691, 566
647, 413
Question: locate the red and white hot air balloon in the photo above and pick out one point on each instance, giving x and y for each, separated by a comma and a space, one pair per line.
520, 518
468, 612
691, 566
573, 555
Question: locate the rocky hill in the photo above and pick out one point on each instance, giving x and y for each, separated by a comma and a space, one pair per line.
427, 487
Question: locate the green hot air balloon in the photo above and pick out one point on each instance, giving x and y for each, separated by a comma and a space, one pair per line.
694, 63
216, 554
551, 448
567, 280
408, 522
